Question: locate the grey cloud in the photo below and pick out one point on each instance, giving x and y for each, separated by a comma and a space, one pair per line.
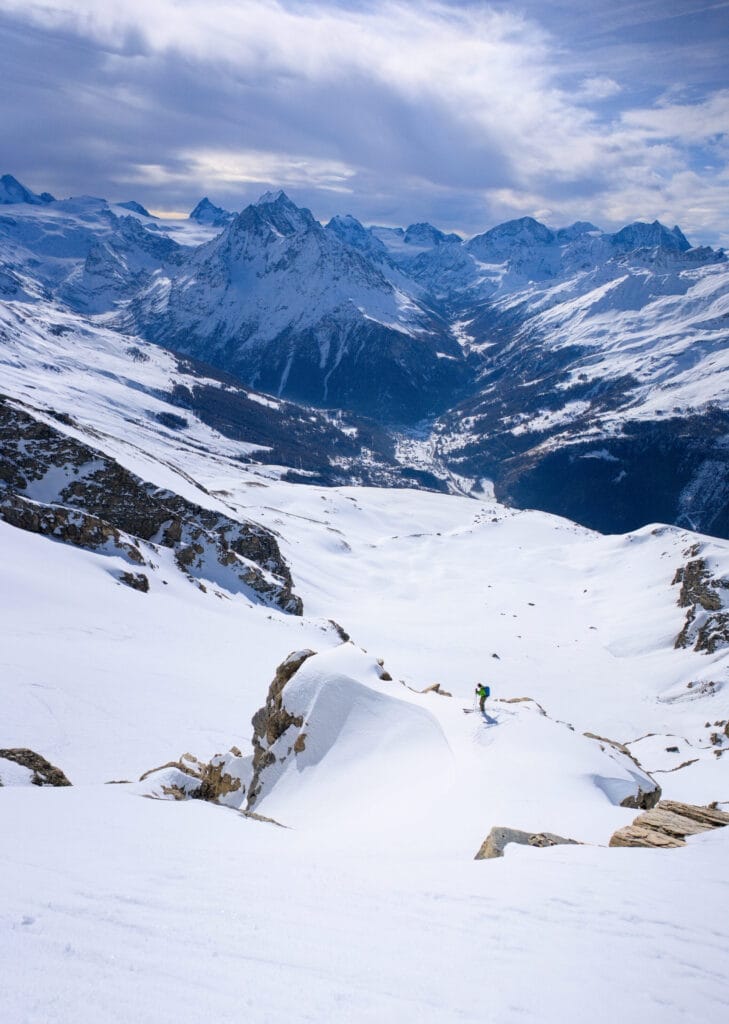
78, 116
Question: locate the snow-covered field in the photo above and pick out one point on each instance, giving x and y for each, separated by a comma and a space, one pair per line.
120, 909
368, 905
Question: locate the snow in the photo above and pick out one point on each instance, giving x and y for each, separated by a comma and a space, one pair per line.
368, 904
13, 774
262, 400
119, 908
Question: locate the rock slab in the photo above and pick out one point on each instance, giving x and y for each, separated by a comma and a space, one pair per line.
499, 837
667, 825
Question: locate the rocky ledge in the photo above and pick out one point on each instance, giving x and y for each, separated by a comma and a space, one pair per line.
668, 824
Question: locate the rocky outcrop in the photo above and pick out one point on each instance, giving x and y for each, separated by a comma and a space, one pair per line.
53, 484
668, 824
136, 580
706, 628
436, 688
499, 837
71, 526
523, 700
41, 772
222, 780
272, 720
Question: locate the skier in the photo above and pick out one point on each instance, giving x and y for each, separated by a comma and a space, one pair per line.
483, 692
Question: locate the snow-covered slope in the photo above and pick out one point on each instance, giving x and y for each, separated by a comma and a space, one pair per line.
368, 904
605, 395
114, 385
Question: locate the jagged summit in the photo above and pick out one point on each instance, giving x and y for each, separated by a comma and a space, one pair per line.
640, 235
426, 235
208, 213
273, 196
136, 207
274, 211
354, 233
12, 191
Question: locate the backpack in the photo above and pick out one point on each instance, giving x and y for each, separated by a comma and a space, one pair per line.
488, 690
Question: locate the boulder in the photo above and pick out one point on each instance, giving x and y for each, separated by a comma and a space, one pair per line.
499, 837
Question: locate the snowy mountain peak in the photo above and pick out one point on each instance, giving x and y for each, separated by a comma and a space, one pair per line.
135, 207
273, 196
523, 229
208, 213
274, 211
426, 235
11, 192
352, 232
577, 230
640, 235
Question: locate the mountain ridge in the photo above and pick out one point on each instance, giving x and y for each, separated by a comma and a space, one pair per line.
516, 352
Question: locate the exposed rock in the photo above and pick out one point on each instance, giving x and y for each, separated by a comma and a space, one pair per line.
384, 674
67, 525
499, 837
220, 781
43, 772
188, 764
340, 631
697, 586
522, 700
135, 580
706, 628
668, 824
436, 688
262, 817
53, 484
272, 720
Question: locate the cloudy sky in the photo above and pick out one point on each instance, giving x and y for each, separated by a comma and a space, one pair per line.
461, 113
